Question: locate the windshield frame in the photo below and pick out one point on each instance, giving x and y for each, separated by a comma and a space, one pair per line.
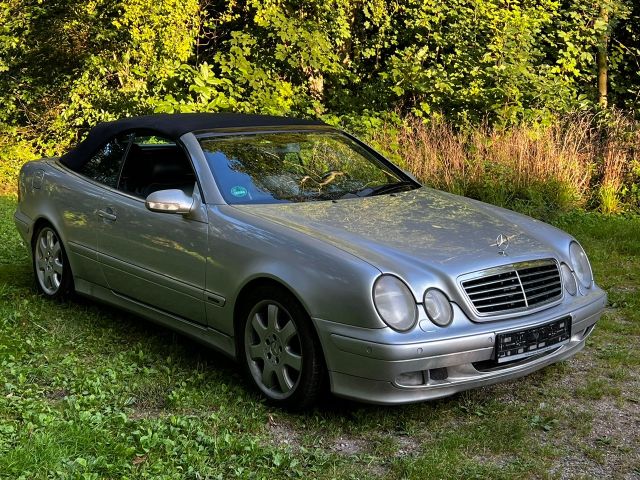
243, 131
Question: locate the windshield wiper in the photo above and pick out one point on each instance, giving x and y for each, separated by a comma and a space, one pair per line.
381, 189
392, 187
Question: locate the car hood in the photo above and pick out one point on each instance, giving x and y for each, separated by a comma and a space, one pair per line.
423, 229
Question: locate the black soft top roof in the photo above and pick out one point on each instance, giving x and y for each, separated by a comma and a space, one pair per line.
171, 126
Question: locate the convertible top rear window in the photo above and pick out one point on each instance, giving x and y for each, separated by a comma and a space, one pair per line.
297, 167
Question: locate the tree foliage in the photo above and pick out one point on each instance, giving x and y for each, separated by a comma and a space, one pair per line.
67, 64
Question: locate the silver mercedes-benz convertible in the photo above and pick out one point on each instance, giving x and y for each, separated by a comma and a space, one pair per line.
306, 255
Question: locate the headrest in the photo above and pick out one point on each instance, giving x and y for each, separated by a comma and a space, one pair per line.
168, 172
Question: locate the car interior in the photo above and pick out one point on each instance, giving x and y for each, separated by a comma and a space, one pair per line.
150, 167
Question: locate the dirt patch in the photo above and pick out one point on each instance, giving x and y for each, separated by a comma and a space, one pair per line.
281, 433
407, 446
57, 395
349, 446
612, 448
146, 414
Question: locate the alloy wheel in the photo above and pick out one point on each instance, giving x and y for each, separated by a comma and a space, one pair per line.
49, 261
273, 349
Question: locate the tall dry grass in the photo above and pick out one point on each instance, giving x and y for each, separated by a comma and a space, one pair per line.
579, 161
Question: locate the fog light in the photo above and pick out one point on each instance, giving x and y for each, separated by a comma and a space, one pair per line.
438, 373
410, 379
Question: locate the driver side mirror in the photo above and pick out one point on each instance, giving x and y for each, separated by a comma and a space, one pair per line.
169, 201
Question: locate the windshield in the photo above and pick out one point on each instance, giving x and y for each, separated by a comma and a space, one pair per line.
297, 167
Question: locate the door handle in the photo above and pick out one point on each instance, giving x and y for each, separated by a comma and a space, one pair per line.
107, 214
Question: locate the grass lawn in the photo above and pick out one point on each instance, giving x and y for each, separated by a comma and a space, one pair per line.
90, 392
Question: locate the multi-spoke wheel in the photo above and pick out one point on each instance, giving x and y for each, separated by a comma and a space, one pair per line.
280, 349
50, 264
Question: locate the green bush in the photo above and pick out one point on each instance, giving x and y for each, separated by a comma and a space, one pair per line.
518, 67
13, 154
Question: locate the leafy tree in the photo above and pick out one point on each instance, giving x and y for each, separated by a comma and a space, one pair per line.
67, 64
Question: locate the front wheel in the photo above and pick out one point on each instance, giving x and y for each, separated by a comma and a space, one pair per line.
50, 264
280, 351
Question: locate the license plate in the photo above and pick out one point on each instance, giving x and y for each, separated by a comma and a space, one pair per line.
532, 341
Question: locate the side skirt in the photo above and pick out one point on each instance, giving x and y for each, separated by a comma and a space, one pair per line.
212, 338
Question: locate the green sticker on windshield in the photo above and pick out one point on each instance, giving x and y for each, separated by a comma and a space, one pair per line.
239, 191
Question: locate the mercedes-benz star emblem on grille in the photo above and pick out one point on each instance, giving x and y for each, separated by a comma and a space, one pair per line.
502, 242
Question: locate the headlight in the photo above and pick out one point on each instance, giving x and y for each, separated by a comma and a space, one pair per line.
569, 280
438, 307
581, 265
395, 303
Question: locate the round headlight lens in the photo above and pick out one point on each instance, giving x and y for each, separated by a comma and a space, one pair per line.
581, 265
395, 303
569, 280
438, 307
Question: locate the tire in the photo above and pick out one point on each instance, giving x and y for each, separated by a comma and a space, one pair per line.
279, 350
50, 264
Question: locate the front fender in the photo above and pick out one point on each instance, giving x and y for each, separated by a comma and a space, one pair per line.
328, 282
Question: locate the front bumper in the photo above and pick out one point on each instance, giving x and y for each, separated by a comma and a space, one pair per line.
365, 364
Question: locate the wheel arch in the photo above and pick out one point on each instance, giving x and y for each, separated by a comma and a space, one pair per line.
43, 220
266, 281
257, 282
38, 224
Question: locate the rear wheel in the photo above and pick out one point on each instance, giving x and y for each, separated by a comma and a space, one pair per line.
50, 264
279, 349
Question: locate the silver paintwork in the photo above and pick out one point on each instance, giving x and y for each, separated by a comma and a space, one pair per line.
189, 271
154, 258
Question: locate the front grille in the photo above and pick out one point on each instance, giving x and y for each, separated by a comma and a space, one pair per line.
520, 286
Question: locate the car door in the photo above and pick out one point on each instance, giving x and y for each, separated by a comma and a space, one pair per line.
80, 201
157, 259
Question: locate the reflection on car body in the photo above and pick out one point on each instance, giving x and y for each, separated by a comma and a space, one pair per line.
307, 256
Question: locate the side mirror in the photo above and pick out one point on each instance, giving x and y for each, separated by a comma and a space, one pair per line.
169, 201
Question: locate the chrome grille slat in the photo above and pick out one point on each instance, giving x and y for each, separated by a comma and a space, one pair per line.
515, 285
513, 279
517, 297
536, 280
517, 291
535, 289
501, 288
538, 271
533, 297
502, 303
514, 288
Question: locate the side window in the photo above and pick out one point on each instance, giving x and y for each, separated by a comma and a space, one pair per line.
155, 163
104, 166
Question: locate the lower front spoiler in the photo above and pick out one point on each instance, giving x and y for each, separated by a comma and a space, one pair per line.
464, 377
373, 380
